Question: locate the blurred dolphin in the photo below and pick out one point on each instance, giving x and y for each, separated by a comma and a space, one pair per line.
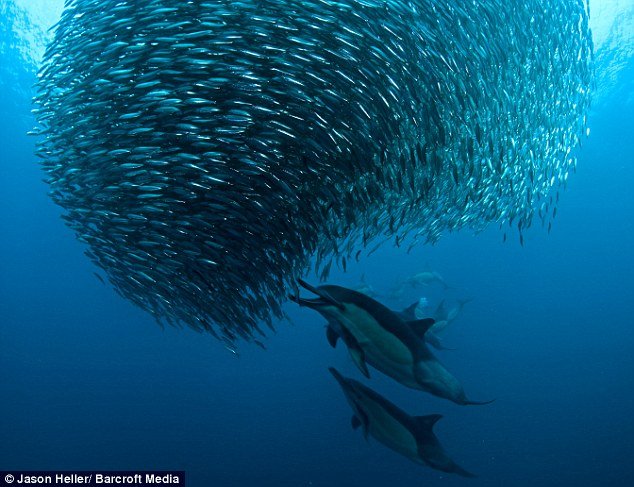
365, 288
411, 315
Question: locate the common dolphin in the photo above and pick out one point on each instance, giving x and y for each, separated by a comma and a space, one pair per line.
445, 316
426, 278
409, 315
455, 311
442, 316
377, 336
411, 436
365, 288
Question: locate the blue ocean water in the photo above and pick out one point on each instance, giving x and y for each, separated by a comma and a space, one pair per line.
87, 381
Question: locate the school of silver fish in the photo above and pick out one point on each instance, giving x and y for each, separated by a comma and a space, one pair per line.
205, 151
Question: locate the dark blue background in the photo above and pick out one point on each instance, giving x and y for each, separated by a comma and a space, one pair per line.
87, 381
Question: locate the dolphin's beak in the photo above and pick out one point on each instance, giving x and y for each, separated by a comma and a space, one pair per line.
311, 303
466, 402
324, 297
349, 390
340, 378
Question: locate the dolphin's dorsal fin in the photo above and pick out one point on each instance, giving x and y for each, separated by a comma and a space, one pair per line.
420, 327
358, 357
410, 311
355, 421
441, 312
331, 335
426, 423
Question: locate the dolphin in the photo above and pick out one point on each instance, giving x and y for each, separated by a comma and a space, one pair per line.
426, 278
365, 288
376, 335
453, 313
411, 436
422, 279
409, 315
442, 316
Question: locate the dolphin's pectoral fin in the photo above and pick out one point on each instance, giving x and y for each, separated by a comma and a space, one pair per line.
424, 424
356, 422
332, 335
420, 327
358, 357
363, 421
356, 353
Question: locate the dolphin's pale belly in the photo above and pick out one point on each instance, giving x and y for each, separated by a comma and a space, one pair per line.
434, 456
438, 380
429, 375
387, 353
382, 350
389, 431
373, 338
403, 373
